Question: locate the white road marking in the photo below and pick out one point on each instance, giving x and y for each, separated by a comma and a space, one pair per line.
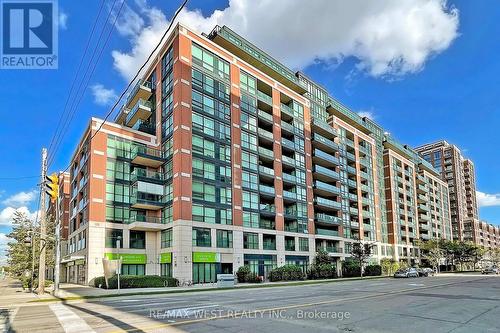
69, 321
377, 284
416, 284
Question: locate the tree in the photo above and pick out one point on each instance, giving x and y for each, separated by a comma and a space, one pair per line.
432, 252
493, 255
361, 252
389, 266
475, 254
20, 251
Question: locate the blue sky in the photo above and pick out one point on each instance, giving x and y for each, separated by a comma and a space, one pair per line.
443, 84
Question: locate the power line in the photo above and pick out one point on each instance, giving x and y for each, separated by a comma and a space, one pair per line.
77, 72
74, 107
20, 177
137, 74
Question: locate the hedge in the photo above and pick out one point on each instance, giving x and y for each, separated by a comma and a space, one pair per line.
322, 271
351, 269
136, 281
286, 273
373, 270
244, 274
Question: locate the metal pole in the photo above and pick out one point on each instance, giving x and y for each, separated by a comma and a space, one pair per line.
119, 269
58, 249
32, 235
43, 227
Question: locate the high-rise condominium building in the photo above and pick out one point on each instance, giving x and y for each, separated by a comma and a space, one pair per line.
223, 157
458, 172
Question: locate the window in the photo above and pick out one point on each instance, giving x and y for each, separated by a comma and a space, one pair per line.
202, 191
137, 239
247, 82
201, 237
269, 242
210, 62
203, 169
249, 180
133, 269
248, 104
224, 238
112, 237
248, 122
250, 240
249, 161
250, 200
303, 244
203, 214
250, 220
289, 243
249, 141
166, 238
166, 270
203, 146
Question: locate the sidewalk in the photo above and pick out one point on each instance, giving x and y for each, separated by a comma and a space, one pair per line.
70, 291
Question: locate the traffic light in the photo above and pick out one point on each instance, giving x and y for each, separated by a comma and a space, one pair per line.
52, 184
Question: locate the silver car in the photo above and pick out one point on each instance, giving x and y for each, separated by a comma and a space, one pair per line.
406, 273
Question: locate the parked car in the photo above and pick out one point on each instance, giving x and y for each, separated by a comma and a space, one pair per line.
406, 273
424, 272
490, 270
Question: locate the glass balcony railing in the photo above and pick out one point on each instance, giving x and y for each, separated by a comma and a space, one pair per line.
264, 98
326, 232
326, 172
326, 187
265, 134
328, 203
321, 217
288, 160
146, 219
266, 189
266, 153
287, 127
317, 138
325, 128
329, 249
326, 157
141, 84
145, 200
350, 156
146, 175
147, 156
288, 144
268, 208
287, 110
266, 171
289, 195
266, 116
289, 178
141, 110
351, 170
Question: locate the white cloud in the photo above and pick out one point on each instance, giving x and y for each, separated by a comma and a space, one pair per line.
486, 200
367, 114
388, 38
63, 20
20, 199
102, 96
3, 247
7, 213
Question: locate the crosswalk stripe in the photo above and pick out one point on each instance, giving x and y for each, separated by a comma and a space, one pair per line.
69, 321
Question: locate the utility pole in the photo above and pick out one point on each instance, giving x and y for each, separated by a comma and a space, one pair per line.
43, 228
58, 248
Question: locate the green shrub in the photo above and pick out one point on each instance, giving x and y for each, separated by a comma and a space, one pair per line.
286, 273
373, 270
351, 269
136, 281
253, 278
322, 271
242, 273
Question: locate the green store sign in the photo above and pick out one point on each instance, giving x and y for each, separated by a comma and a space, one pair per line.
128, 258
205, 257
166, 258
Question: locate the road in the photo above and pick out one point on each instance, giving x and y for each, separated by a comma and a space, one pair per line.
453, 303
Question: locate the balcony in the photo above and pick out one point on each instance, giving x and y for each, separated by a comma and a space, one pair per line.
327, 203
287, 110
350, 157
141, 90
352, 183
147, 176
289, 195
325, 159
265, 135
353, 211
147, 223
264, 98
266, 154
147, 156
325, 144
325, 174
288, 144
424, 217
328, 219
266, 190
145, 127
289, 179
143, 200
351, 170
325, 189
327, 232
324, 129
140, 111
266, 117
266, 172
423, 207
288, 161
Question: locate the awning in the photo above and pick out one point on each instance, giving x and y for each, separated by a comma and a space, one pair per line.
68, 259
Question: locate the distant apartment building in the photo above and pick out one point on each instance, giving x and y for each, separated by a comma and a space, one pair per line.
481, 233
458, 172
222, 157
